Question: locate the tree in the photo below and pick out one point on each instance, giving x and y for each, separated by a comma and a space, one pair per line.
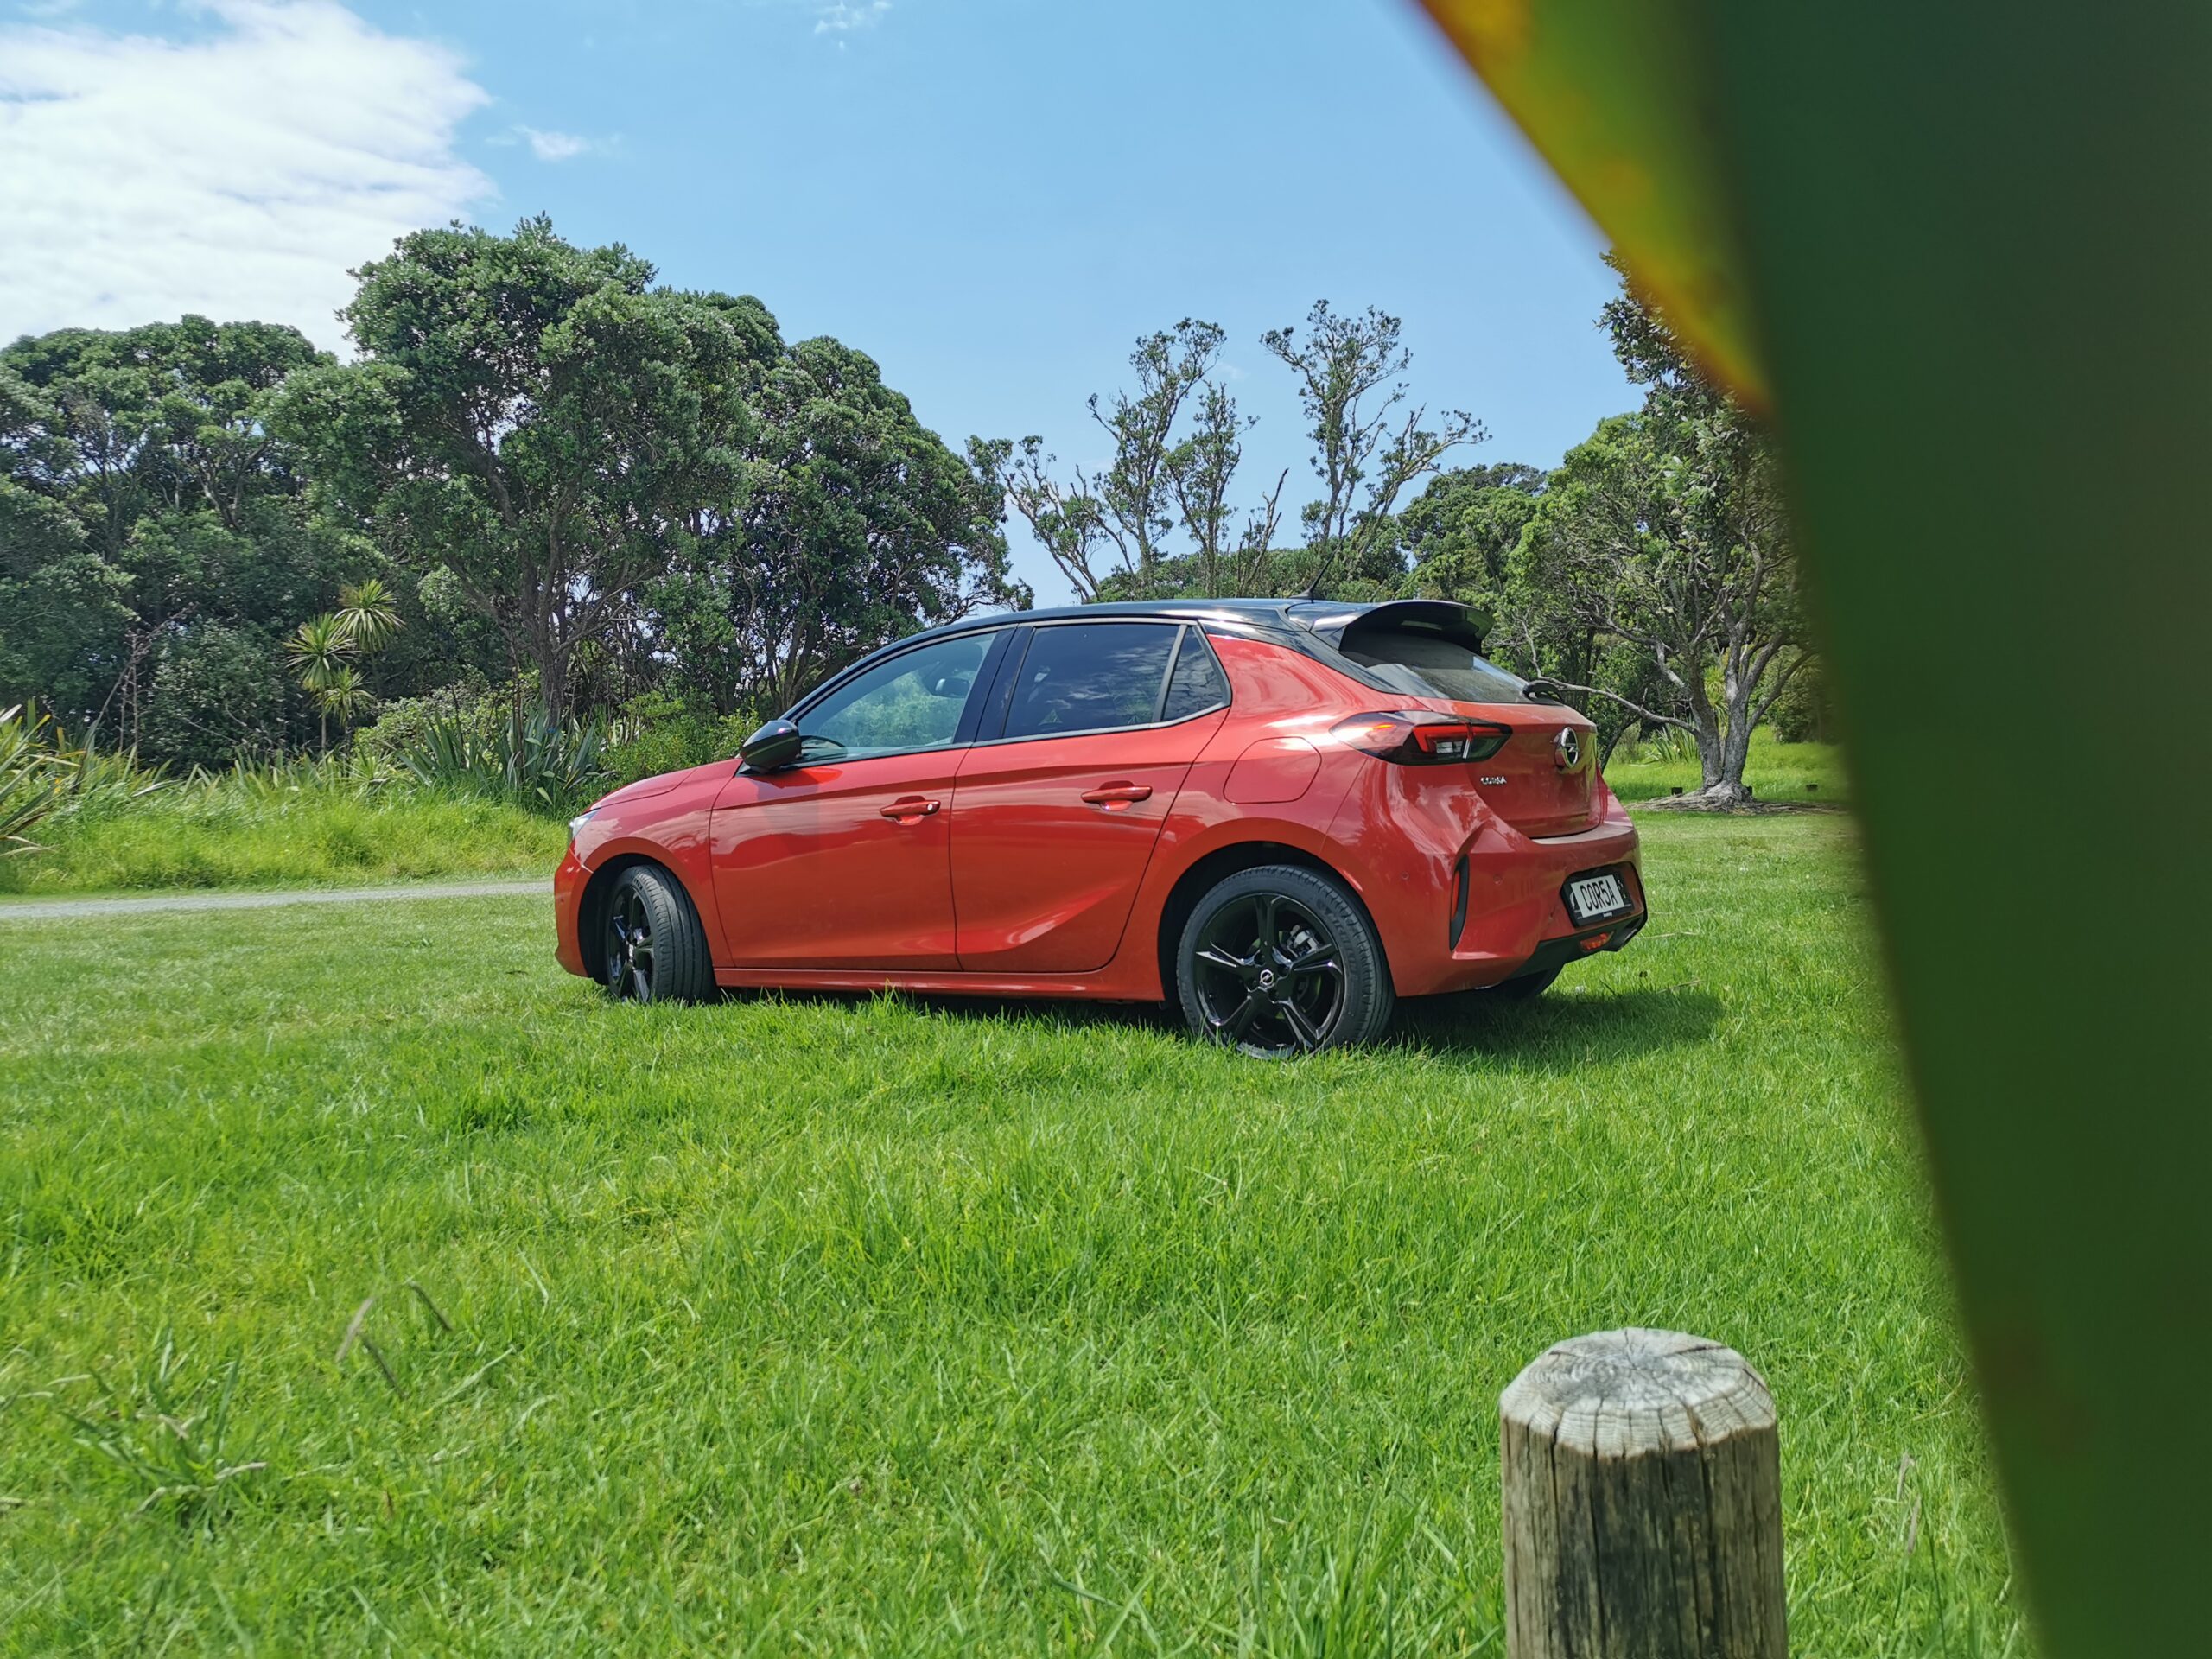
534, 418
1460, 533
1366, 448
323, 650
1152, 483
1177, 443
1200, 470
1666, 532
849, 525
150, 513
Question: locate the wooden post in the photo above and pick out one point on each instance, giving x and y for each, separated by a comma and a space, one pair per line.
1642, 1480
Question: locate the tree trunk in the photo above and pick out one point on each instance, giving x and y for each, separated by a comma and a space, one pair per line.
1705, 728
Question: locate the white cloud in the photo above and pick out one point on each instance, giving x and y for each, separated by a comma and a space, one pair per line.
843, 16
238, 174
554, 146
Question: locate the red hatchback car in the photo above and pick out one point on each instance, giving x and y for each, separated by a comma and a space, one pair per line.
1280, 814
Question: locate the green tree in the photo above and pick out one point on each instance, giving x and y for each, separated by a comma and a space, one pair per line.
1177, 442
849, 524
1368, 444
1109, 532
149, 512
534, 419
1459, 534
1665, 532
323, 652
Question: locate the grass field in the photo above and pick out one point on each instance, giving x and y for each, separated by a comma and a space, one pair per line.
226, 835
842, 1327
1776, 771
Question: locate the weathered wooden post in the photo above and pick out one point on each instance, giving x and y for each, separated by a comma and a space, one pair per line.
1642, 1480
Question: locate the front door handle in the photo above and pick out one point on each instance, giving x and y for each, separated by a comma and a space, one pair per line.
911, 810
1111, 795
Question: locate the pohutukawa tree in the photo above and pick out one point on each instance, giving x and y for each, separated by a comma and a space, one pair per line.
1666, 532
851, 525
533, 418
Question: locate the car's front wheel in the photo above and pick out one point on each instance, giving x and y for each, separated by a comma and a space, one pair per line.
1281, 961
652, 948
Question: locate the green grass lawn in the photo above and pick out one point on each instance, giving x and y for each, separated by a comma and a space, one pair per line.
843, 1326
224, 835
1776, 771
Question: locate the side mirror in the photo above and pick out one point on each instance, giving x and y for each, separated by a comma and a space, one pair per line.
774, 747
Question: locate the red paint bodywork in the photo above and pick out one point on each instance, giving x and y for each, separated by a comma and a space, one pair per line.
1014, 884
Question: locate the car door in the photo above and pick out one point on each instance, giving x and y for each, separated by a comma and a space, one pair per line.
841, 860
1058, 804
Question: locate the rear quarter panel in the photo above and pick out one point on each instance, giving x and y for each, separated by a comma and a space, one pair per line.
1283, 705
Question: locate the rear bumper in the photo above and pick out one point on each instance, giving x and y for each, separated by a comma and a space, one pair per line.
1554, 954
1497, 910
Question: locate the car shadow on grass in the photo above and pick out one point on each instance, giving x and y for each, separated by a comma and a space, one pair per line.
1565, 1028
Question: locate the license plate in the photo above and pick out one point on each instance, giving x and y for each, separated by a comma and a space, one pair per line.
1596, 897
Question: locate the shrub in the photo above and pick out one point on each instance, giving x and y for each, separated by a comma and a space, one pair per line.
529, 758
659, 734
1800, 713
42, 777
34, 773
404, 723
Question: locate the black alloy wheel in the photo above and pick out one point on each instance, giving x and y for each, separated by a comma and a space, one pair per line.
652, 948
1280, 962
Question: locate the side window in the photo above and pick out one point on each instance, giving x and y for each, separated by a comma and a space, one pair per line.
912, 702
1090, 676
1197, 683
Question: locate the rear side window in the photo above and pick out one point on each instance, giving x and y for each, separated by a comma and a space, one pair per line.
1090, 676
1197, 684
1428, 663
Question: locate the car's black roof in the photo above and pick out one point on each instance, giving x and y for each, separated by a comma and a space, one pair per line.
1307, 623
1325, 616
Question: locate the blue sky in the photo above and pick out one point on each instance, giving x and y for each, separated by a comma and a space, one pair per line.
994, 198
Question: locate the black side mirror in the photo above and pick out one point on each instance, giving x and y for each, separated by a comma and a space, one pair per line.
774, 747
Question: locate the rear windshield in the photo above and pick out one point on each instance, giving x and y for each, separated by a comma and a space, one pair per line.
1424, 663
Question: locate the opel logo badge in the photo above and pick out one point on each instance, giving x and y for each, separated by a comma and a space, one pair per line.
1567, 749
1266, 978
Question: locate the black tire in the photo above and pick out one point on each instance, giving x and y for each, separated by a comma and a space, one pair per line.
651, 946
1527, 989
1280, 962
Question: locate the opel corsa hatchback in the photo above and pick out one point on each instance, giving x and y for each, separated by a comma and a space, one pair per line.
1279, 814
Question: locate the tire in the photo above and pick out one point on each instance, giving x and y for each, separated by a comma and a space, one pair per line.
1241, 973
1527, 989
651, 946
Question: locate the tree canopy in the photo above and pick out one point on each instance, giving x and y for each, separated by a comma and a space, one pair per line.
563, 479
545, 473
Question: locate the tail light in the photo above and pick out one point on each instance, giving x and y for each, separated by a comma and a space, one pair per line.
1412, 738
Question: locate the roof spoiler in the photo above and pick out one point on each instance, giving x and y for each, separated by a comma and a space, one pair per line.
1467, 623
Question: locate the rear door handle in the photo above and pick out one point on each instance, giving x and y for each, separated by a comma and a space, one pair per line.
1110, 796
912, 810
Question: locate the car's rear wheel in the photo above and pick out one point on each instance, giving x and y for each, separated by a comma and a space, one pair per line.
1280, 960
652, 948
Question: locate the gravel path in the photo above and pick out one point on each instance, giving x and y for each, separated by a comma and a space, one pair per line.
53, 909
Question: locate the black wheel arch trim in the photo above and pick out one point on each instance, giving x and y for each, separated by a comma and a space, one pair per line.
591, 903
1200, 876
